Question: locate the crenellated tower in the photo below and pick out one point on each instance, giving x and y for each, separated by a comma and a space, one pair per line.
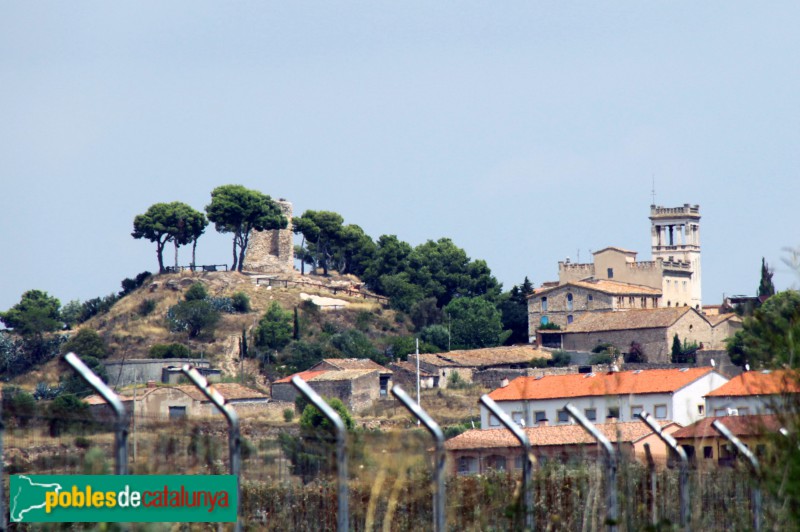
675, 234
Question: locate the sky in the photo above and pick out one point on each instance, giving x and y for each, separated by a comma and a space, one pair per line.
527, 132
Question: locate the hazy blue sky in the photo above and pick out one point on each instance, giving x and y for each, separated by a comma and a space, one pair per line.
526, 131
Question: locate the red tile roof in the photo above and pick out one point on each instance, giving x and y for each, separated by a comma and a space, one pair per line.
305, 375
759, 383
591, 384
738, 425
549, 435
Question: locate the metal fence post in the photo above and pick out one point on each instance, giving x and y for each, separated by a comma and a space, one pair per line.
527, 458
755, 490
438, 470
683, 472
234, 441
612, 513
121, 425
2, 477
342, 493
651, 473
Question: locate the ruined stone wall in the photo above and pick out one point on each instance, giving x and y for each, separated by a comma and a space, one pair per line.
272, 251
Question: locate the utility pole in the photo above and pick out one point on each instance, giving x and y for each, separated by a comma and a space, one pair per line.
417, 351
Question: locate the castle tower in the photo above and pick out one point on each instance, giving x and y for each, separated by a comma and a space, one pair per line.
675, 234
272, 251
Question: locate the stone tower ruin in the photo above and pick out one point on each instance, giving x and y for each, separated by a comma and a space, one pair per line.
272, 251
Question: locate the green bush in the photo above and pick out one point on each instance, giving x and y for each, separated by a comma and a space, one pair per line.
240, 302
196, 292
601, 358
82, 442
146, 307
86, 342
288, 414
19, 404
170, 351
196, 316
95, 462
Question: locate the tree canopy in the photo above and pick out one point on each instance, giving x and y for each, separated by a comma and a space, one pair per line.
36, 313
475, 323
238, 210
169, 222
771, 337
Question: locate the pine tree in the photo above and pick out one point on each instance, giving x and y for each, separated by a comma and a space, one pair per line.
765, 287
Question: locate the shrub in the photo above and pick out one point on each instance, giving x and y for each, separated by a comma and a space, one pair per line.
95, 462
240, 302
455, 381
275, 328
146, 307
19, 404
601, 358
81, 442
195, 316
65, 412
560, 359
196, 292
549, 326
170, 351
288, 414
603, 347
86, 343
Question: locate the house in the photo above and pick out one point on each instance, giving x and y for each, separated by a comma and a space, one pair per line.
172, 402
652, 329
476, 450
703, 443
616, 281
405, 375
341, 364
356, 388
469, 363
667, 394
756, 392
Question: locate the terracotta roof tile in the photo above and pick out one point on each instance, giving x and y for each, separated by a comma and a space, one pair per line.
589, 384
549, 435
305, 375
738, 425
410, 367
622, 320
355, 363
341, 375
759, 383
716, 319
230, 390
489, 356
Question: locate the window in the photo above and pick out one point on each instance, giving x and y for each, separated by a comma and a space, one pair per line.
644, 302
466, 465
493, 421
176, 412
611, 273
545, 320
518, 417
720, 412
497, 463
590, 297
569, 301
563, 417
544, 304
661, 411
591, 414
744, 411
701, 410
569, 319
630, 301
613, 412
708, 452
635, 410
540, 417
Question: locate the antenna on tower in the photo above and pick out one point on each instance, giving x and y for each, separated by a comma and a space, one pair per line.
653, 190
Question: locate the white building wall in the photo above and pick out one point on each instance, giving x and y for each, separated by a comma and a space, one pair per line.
682, 406
689, 398
754, 404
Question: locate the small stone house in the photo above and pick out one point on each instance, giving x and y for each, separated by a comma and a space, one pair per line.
162, 402
469, 363
341, 364
477, 451
405, 375
356, 388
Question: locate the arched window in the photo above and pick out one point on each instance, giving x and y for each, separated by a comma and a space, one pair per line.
544, 304
545, 320
569, 319
569, 301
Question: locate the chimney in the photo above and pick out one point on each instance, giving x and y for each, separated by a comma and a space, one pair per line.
543, 423
151, 384
504, 382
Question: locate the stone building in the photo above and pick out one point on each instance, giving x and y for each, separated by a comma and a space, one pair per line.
652, 329
356, 388
671, 279
272, 251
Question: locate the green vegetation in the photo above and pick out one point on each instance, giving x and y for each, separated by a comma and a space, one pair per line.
765, 286
35, 314
771, 337
238, 210
476, 322
685, 352
558, 359
86, 343
275, 329
170, 351
174, 222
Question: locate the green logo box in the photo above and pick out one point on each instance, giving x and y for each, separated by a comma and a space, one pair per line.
122, 499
